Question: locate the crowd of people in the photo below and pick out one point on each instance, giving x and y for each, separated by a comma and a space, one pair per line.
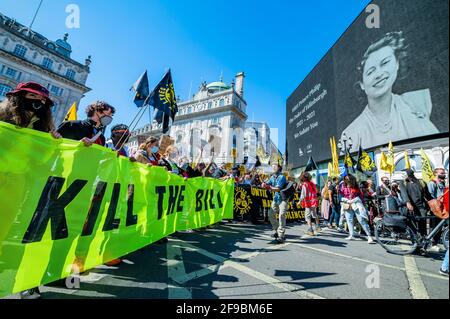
340, 203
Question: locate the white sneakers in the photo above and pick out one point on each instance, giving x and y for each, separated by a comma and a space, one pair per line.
369, 239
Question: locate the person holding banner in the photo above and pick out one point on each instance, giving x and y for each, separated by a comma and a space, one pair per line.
120, 134
170, 158
90, 131
275, 184
28, 106
148, 152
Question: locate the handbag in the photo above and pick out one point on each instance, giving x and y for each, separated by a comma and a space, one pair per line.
437, 207
346, 206
394, 220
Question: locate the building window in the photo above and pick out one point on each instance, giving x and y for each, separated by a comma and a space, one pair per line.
20, 50
70, 74
209, 105
414, 160
56, 90
222, 102
54, 109
47, 63
11, 73
189, 110
4, 89
215, 120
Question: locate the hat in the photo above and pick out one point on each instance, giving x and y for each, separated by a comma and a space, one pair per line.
32, 87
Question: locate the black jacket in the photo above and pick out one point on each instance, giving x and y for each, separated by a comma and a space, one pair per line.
77, 130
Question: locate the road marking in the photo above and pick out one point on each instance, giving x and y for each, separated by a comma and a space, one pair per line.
273, 281
349, 257
416, 285
226, 263
175, 268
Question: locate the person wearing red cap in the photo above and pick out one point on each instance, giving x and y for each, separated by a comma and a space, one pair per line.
90, 131
28, 106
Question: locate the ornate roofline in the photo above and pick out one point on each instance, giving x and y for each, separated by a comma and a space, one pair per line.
21, 31
212, 96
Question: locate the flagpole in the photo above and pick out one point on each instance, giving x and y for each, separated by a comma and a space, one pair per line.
141, 112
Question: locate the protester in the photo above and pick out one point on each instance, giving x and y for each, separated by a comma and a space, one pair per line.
120, 134
333, 191
310, 202
170, 158
383, 191
247, 180
28, 106
148, 152
256, 180
325, 207
416, 195
437, 185
352, 204
370, 186
368, 201
436, 189
444, 268
275, 184
213, 171
100, 115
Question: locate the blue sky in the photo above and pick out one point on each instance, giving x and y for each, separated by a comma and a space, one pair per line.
276, 44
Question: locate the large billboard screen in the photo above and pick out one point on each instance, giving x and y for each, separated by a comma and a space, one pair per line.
375, 85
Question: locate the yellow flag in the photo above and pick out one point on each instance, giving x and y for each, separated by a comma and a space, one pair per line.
384, 165
336, 158
330, 170
72, 114
390, 158
427, 171
407, 163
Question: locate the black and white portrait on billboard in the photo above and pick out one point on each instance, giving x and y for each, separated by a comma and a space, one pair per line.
388, 116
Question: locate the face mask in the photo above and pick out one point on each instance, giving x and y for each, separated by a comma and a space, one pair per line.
154, 149
105, 120
173, 155
34, 105
442, 176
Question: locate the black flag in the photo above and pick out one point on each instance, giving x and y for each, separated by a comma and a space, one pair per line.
163, 99
365, 163
311, 166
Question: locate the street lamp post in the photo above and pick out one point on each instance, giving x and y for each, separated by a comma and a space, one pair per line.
345, 141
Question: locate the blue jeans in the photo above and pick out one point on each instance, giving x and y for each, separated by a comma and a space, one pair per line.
349, 214
335, 215
445, 262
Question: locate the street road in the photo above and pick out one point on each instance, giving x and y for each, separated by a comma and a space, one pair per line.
237, 260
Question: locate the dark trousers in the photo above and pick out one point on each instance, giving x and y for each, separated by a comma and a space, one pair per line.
422, 224
335, 214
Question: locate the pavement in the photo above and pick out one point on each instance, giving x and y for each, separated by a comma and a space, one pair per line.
238, 260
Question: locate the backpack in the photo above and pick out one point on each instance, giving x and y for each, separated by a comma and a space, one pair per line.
287, 193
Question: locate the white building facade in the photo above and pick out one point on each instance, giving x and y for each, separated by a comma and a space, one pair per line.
26, 56
213, 125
